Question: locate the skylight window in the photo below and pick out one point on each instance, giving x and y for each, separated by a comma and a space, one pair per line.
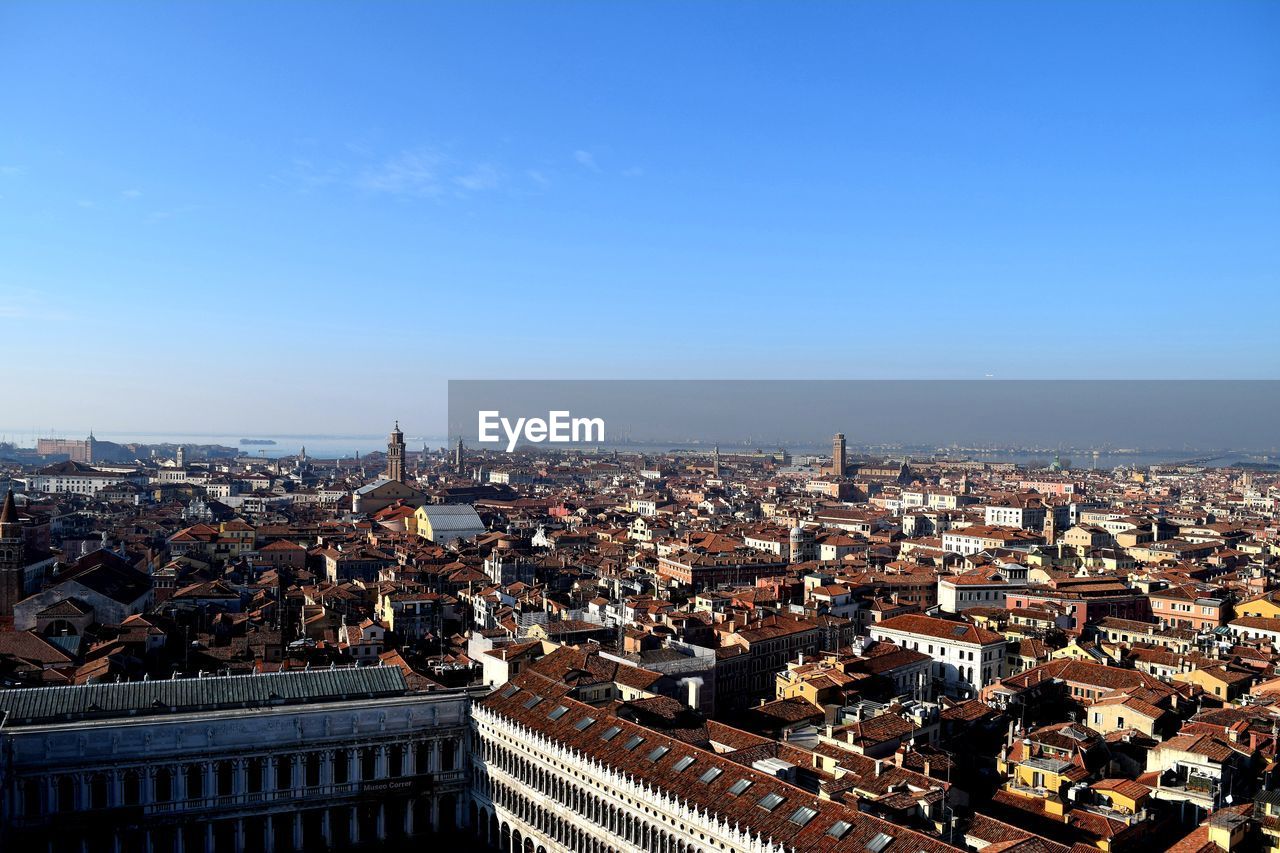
633, 742
683, 764
610, 733
738, 787
839, 829
532, 700
658, 751
771, 801
510, 691
558, 711
584, 724
802, 815
711, 775
881, 841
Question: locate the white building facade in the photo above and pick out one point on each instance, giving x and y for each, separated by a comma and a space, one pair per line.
966, 658
283, 761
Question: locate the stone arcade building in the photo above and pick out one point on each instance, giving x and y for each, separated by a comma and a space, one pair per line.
551, 774
349, 759
284, 761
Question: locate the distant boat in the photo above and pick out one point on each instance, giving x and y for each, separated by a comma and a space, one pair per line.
263, 441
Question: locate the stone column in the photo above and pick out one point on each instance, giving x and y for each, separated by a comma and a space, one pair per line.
298, 778
239, 833
297, 830
354, 819
269, 774
147, 785
382, 821
353, 765
326, 769
208, 837
46, 796
409, 760
408, 816
210, 781
269, 834
326, 828
241, 779
380, 762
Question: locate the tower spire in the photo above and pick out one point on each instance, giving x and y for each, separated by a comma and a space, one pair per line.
9, 512
395, 454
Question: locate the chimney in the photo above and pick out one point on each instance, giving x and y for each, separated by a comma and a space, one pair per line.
695, 693
879, 767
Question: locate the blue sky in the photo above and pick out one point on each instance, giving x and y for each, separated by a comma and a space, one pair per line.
305, 217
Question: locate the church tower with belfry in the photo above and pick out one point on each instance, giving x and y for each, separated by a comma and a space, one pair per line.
1050, 527
12, 556
395, 455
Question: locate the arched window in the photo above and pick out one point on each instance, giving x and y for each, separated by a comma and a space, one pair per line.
195, 781
284, 772
132, 788
31, 797
257, 774
98, 792
164, 785
424, 754
66, 794
226, 778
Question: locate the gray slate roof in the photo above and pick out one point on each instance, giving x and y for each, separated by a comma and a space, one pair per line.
450, 517
82, 701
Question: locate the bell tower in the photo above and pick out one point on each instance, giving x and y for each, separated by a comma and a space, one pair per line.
395, 455
1050, 528
839, 464
12, 553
